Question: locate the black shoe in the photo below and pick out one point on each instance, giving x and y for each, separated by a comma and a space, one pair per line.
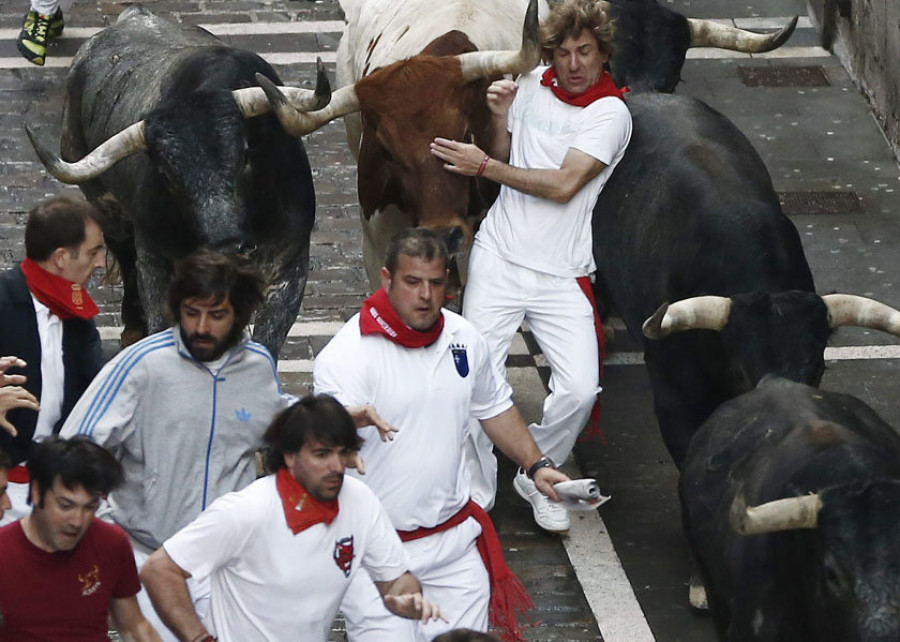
57, 24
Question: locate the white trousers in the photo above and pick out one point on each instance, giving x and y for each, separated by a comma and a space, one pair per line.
49, 7
452, 575
199, 590
499, 296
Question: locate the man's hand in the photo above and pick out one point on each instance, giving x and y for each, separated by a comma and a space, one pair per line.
366, 416
15, 397
414, 606
459, 158
500, 95
11, 380
544, 479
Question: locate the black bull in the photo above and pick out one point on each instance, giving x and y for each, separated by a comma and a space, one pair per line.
209, 177
690, 210
823, 566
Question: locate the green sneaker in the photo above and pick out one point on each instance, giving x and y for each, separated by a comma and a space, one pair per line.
32, 40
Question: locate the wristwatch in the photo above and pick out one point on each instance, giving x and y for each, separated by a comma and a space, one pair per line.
543, 462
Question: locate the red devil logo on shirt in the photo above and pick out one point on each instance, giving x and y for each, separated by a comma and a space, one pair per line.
343, 554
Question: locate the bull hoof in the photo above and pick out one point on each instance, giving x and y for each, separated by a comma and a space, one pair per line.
130, 336
697, 595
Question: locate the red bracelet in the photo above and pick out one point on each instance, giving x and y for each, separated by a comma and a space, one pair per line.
483, 165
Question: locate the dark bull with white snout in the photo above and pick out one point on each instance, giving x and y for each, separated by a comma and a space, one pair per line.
791, 501
159, 133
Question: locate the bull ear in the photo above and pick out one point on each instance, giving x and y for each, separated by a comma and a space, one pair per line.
697, 313
858, 311
779, 515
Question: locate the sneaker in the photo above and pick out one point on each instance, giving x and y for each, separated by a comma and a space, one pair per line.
549, 515
57, 24
32, 40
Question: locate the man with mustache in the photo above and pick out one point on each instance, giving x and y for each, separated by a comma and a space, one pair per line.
185, 409
282, 552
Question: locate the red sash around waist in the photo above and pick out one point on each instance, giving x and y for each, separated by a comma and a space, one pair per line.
508, 597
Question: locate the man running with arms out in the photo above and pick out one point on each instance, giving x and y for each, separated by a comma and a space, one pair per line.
427, 372
282, 552
558, 133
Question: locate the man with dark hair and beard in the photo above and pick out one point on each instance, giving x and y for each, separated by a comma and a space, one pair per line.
185, 409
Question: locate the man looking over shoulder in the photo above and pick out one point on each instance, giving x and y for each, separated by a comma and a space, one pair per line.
559, 131
65, 572
427, 372
47, 322
282, 552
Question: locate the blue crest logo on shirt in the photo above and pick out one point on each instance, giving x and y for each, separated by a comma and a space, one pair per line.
243, 414
460, 359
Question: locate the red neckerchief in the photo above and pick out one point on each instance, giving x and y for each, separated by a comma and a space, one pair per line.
600, 89
302, 510
593, 428
379, 317
508, 596
64, 298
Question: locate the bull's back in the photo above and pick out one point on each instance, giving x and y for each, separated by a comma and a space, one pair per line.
690, 210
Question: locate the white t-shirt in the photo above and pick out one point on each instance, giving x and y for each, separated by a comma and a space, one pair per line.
269, 584
538, 233
429, 394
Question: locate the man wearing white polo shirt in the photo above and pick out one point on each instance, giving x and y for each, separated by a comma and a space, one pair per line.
427, 371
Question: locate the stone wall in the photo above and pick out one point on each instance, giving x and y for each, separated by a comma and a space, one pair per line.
865, 36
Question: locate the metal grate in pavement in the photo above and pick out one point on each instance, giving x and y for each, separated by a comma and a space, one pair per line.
783, 76
796, 203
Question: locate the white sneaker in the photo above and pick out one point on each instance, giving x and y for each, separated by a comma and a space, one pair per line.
549, 515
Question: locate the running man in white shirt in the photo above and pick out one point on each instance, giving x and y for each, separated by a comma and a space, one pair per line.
559, 131
281, 553
428, 372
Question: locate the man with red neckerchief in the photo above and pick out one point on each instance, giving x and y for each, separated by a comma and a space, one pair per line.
427, 372
281, 553
47, 321
559, 131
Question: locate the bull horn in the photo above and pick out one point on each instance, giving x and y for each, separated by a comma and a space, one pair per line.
127, 142
697, 313
252, 101
779, 515
481, 64
297, 122
706, 33
852, 310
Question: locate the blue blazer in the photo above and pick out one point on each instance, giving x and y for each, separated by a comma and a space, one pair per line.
82, 358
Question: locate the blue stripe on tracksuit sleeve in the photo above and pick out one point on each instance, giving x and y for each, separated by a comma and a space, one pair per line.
260, 349
114, 380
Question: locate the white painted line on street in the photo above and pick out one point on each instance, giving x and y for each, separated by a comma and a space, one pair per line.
602, 577
219, 29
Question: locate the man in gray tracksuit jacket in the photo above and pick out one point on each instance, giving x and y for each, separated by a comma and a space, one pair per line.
185, 409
